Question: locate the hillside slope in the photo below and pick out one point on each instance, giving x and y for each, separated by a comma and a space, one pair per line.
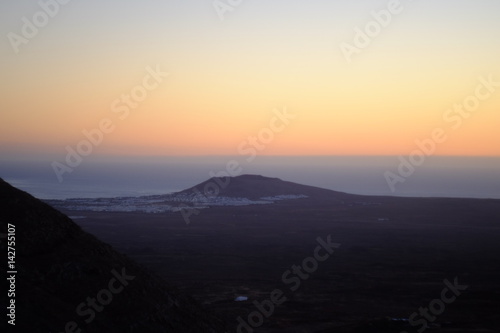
68, 278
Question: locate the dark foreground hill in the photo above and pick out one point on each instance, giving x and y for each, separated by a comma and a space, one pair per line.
68, 280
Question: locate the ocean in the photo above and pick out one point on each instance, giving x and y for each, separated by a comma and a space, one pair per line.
438, 176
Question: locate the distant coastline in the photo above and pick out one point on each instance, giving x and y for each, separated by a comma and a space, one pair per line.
471, 177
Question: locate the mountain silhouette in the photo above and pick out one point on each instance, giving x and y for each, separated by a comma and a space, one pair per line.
255, 187
61, 270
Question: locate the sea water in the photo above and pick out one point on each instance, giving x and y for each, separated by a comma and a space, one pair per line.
438, 176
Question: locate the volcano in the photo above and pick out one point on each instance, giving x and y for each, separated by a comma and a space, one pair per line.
256, 187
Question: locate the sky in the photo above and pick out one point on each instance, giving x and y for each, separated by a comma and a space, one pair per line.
296, 75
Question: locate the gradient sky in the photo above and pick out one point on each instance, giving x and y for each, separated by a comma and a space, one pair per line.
226, 77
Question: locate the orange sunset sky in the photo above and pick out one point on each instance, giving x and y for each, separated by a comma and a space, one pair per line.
227, 76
